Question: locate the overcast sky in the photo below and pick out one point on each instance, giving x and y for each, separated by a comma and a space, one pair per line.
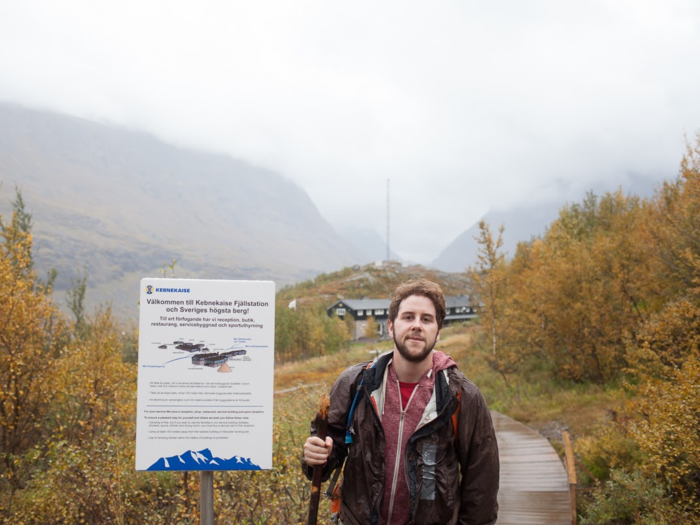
466, 106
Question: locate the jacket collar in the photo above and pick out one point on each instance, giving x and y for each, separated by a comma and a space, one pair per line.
375, 378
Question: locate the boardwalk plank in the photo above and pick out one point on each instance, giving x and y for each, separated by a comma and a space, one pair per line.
534, 488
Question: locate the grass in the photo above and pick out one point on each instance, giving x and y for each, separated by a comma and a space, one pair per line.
324, 369
534, 398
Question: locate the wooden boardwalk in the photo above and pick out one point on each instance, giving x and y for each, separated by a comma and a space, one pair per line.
534, 488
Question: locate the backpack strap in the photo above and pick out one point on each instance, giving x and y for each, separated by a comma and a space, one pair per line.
331, 491
348, 426
455, 417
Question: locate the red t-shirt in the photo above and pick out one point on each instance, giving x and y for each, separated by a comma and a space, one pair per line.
406, 391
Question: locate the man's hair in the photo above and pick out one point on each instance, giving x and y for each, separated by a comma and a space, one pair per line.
422, 287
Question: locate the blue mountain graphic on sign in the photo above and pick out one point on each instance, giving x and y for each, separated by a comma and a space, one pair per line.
202, 460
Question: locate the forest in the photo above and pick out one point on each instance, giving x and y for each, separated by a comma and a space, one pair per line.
610, 295
606, 302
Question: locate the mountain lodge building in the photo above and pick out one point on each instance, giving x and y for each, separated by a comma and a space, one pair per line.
458, 308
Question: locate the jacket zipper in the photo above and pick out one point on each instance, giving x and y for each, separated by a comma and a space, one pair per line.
417, 435
398, 453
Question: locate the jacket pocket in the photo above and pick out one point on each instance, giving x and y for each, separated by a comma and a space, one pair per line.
427, 488
438, 482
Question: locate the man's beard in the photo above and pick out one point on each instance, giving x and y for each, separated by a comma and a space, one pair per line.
414, 358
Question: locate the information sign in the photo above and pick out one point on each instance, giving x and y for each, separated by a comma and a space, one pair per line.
205, 375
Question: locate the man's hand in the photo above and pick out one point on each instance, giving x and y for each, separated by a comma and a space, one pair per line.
316, 451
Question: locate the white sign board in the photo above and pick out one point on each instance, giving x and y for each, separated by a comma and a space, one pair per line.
206, 375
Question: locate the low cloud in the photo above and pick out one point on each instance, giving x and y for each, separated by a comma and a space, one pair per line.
465, 106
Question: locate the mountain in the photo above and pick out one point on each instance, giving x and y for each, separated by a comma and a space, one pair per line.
123, 204
202, 460
519, 226
522, 224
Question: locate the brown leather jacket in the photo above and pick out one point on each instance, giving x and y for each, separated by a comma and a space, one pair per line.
434, 458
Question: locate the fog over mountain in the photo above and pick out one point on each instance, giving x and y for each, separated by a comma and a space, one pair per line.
464, 107
123, 204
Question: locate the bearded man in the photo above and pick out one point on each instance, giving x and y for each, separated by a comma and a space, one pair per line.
415, 434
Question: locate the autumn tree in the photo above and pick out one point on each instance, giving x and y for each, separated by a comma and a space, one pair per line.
371, 328
489, 279
17, 236
660, 421
675, 226
75, 299
665, 355
88, 448
580, 292
30, 336
307, 331
350, 325
668, 431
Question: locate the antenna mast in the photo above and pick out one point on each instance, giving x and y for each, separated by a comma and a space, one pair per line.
388, 251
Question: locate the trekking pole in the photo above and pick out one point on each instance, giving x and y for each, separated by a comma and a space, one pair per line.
321, 424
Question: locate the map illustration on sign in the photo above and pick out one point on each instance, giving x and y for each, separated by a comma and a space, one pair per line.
201, 355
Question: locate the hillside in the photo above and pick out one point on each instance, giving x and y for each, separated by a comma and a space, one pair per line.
121, 204
371, 281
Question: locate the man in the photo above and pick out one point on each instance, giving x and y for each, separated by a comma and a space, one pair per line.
423, 447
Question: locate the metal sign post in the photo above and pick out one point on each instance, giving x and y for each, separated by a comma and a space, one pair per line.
206, 497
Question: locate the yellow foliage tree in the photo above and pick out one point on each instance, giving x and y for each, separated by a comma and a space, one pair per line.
580, 292
668, 432
490, 277
489, 280
371, 328
30, 331
95, 388
307, 331
350, 325
663, 417
89, 450
666, 353
675, 225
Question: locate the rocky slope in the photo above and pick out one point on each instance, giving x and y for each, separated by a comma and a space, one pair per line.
123, 204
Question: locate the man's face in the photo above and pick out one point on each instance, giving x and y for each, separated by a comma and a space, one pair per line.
415, 329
